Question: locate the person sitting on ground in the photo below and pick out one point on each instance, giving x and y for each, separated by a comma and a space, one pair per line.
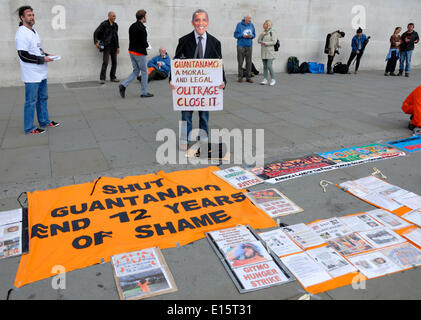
412, 106
159, 67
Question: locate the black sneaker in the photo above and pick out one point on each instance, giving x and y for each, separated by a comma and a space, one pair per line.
114, 80
53, 124
146, 95
393, 74
400, 73
37, 131
407, 74
122, 90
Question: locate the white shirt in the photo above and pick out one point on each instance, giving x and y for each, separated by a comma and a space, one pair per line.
204, 38
29, 40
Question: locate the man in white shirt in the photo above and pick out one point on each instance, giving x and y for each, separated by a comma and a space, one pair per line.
34, 69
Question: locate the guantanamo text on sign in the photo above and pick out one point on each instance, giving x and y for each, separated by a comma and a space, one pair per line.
79, 225
197, 84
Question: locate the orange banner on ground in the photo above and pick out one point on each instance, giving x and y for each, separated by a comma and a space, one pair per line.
81, 225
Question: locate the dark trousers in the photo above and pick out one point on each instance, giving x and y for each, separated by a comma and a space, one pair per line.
157, 75
107, 53
352, 56
244, 53
329, 63
391, 63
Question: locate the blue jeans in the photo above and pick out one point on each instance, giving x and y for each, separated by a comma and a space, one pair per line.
405, 55
186, 126
36, 96
139, 65
267, 67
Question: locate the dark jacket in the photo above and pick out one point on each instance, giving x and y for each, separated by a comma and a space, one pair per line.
408, 40
108, 34
187, 47
138, 38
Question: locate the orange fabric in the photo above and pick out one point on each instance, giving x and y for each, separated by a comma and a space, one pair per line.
335, 283
150, 69
72, 228
412, 105
144, 286
136, 53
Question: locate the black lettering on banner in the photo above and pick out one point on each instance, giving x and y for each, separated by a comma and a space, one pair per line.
73, 209
160, 229
190, 205
39, 230
223, 199
123, 189
144, 233
239, 197
96, 205
59, 212
99, 236
109, 189
80, 224
173, 207
142, 214
158, 182
148, 198
182, 190
216, 188
197, 189
147, 186
56, 227
82, 242
203, 222
123, 216
132, 200
183, 224
110, 203
162, 195
219, 216
206, 203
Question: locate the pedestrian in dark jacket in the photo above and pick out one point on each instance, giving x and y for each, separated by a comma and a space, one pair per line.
138, 42
409, 39
357, 45
106, 40
394, 52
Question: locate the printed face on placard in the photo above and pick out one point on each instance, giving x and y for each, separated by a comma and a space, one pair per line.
200, 22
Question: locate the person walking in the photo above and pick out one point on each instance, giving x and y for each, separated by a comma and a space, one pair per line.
409, 39
106, 35
245, 33
138, 42
394, 52
357, 44
267, 40
34, 69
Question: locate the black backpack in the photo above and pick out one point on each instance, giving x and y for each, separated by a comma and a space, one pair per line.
293, 65
340, 68
327, 43
304, 67
277, 44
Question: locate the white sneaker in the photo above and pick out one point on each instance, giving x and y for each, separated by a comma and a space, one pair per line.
272, 82
265, 81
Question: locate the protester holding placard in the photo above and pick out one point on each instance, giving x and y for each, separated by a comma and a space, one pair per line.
198, 44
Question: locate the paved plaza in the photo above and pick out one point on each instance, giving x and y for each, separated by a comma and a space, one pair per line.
102, 134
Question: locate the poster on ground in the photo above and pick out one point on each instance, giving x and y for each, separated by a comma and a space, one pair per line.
278, 171
404, 255
196, 84
238, 177
80, 225
411, 144
13, 240
273, 202
374, 264
249, 264
142, 274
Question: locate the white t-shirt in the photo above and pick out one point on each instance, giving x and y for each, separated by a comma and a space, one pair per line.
28, 40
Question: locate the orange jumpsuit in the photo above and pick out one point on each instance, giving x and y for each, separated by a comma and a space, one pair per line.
412, 105
144, 286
